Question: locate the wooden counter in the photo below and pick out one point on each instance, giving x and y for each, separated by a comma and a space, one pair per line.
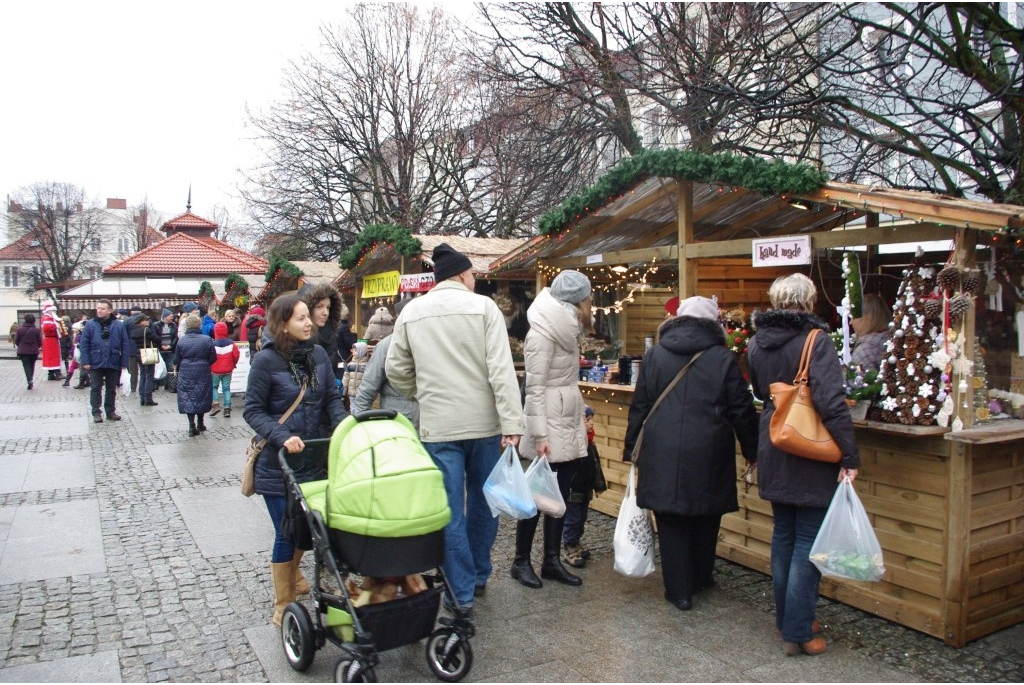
948, 510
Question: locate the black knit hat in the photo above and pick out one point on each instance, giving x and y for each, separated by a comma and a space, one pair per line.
449, 262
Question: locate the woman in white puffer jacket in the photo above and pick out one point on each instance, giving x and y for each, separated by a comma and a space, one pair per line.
554, 412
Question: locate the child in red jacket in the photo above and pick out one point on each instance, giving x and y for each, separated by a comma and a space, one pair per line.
227, 359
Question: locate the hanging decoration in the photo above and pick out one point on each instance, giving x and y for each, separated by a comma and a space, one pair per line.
397, 237
852, 302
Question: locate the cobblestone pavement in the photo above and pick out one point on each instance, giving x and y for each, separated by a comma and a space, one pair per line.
162, 611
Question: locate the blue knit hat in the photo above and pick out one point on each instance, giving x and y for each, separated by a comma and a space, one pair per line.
190, 307
165, 313
588, 411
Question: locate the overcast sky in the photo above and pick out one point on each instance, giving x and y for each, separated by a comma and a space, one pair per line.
135, 99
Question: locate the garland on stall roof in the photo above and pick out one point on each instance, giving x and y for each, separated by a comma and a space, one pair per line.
235, 280
398, 237
206, 289
760, 175
279, 264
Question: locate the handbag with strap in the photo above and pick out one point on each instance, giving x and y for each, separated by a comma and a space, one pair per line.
635, 457
148, 355
256, 445
796, 427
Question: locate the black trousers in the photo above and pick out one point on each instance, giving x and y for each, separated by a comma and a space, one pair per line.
687, 552
103, 380
28, 362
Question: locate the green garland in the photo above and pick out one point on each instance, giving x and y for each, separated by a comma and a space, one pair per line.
282, 264
763, 176
233, 280
396, 236
851, 268
206, 289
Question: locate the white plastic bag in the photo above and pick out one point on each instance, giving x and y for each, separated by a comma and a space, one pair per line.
846, 546
634, 535
77, 354
506, 490
160, 369
126, 383
544, 486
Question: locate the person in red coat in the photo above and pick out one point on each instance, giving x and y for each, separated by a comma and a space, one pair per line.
227, 359
51, 327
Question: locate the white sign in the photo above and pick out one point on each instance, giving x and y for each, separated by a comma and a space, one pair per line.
417, 283
788, 251
240, 376
595, 258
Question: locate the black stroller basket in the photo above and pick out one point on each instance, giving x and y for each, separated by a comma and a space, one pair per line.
374, 627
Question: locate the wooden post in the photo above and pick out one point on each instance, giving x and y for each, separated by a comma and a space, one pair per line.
357, 308
958, 533
539, 283
965, 257
687, 267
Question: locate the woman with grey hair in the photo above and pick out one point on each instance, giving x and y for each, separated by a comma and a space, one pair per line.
800, 490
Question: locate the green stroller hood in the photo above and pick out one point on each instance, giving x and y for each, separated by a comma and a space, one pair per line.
381, 482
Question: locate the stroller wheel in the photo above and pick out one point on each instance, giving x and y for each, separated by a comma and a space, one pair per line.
449, 655
349, 670
297, 636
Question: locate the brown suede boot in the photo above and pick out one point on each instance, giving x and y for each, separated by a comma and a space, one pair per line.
283, 575
301, 584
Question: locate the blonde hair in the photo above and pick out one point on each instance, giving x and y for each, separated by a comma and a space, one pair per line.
795, 291
874, 314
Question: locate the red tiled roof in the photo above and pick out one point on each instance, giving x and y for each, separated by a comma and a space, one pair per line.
21, 249
184, 254
189, 220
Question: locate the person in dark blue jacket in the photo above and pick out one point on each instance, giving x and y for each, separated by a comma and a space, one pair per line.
104, 350
289, 359
194, 355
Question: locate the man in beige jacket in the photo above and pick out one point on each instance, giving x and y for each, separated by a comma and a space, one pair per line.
450, 352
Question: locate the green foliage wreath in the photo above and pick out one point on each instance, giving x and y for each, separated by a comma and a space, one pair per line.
282, 264
396, 236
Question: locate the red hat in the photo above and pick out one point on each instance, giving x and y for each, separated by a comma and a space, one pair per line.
672, 306
220, 330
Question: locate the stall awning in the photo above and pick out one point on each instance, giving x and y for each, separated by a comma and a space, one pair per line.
147, 292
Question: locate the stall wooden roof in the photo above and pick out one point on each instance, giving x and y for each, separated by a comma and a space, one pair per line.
644, 221
481, 252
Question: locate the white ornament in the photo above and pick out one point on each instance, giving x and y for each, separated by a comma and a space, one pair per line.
928, 370
889, 404
910, 299
898, 333
962, 386
963, 366
939, 358
945, 412
916, 411
846, 302
911, 370
925, 390
957, 426
892, 360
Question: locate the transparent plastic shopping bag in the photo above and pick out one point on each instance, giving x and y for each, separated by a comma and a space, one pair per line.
160, 369
634, 536
544, 486
506, 489
846, 546
126, 383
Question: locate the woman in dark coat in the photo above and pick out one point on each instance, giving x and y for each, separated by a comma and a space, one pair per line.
193, 357
28, 339
687, 463
799, 489
289, 358
324, 303
143, 335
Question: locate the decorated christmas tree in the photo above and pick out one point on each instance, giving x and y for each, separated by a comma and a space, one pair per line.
980, 384
910, 384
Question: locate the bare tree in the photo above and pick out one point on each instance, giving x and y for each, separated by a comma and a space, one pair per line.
356, 140
924, 96
61, 225
140, 233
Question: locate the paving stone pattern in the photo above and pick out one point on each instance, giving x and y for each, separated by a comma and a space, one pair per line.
169, 613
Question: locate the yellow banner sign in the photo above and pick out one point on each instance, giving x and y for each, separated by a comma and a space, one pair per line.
381, 285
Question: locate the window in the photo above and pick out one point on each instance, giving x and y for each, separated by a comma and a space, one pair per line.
124, 245
11, 276
95, 272
95, 245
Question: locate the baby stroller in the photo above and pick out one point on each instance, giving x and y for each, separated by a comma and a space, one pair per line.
381, 513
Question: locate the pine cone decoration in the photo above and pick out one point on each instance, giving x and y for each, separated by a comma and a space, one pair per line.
949, 279
971, 283
933, 309
958, 306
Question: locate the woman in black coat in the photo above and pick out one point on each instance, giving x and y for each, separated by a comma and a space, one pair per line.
193, 356
143, 335
288, 359
799, 489
28, 339
687, 463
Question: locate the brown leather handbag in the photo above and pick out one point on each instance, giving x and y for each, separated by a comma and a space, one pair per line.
796, 427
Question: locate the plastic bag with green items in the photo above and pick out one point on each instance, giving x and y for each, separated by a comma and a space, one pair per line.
846, 546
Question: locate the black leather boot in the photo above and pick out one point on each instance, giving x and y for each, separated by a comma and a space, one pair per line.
552, 568
522, 569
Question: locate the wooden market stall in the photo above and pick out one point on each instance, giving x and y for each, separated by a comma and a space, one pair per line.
948, 508
387, 262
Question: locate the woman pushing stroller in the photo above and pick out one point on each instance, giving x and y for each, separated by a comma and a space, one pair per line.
290, 364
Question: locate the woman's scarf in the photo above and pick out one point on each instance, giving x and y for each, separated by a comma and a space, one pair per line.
302, 364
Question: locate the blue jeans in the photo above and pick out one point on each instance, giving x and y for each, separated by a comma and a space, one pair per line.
283, 550
223, 381
146, 372
470, 534
794, 578
575, 520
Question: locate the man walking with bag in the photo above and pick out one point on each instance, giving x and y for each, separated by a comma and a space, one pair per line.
104, 351
450, 352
